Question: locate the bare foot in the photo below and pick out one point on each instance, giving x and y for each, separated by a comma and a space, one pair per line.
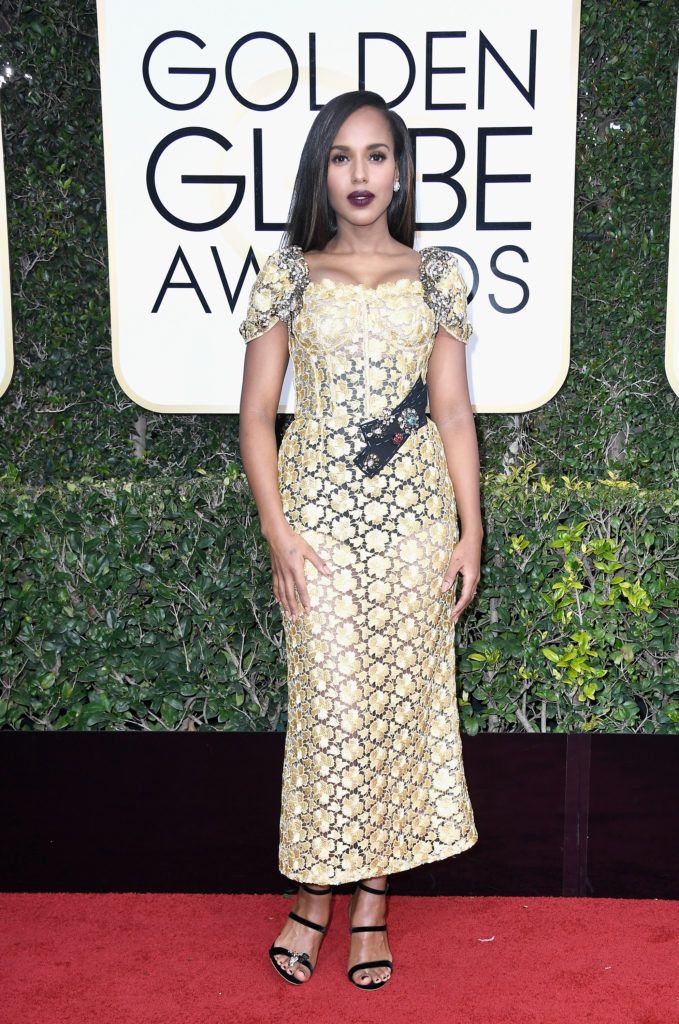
298, 936
369, 908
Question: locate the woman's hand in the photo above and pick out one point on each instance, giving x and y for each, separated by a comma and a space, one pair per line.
466, 558
288, 551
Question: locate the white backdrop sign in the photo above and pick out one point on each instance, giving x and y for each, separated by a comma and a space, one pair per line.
672, 328
206, 107
6, 345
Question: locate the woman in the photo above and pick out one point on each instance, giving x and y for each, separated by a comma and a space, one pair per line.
359, 508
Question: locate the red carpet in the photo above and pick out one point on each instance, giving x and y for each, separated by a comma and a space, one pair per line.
199, 959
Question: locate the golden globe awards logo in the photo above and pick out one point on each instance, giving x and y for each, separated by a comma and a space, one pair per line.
205, 117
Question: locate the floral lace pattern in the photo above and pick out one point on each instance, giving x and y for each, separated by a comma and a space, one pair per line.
373, 778
280, 285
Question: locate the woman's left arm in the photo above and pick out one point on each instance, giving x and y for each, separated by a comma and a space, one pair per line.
451, 411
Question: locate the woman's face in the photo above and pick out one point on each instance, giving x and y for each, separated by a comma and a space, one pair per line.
362, 163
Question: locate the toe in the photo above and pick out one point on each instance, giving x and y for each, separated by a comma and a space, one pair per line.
284, 963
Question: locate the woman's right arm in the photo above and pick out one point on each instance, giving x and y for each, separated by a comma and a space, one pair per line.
266, 362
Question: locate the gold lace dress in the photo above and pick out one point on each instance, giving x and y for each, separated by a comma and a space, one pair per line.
373, 778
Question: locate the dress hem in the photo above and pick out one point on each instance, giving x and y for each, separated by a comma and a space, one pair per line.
387, 868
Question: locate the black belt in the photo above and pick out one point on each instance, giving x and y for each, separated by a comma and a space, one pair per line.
386, 434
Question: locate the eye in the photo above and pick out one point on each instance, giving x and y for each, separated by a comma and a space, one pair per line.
341, 157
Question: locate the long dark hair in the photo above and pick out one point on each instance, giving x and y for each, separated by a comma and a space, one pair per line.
311, 219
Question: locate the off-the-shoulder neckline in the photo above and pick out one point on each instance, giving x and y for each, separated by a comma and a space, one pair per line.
396, 282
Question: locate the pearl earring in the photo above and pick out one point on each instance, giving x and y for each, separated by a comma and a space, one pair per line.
397, 185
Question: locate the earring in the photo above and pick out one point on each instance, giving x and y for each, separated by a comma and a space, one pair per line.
397, 185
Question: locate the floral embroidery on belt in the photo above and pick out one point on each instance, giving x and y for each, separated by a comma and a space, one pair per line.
385, 434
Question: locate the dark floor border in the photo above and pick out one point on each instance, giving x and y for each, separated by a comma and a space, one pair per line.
575, 815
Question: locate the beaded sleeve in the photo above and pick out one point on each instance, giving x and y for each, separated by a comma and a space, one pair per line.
446, 291
276, 292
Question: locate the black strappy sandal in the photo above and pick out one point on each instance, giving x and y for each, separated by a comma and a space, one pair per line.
301, 958
370, 928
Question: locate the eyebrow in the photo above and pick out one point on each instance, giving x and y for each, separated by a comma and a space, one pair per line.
373, 145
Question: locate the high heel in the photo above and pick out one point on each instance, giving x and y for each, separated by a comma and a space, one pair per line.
370, 928
295, 957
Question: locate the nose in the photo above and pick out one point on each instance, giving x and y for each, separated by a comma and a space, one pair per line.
359, 172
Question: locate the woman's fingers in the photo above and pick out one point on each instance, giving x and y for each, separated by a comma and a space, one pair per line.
290, 579
283, 586
450, 574
299, 576
314, 557
463, 562
300, 584
290, 597
283, 598
468, 592
447, 581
